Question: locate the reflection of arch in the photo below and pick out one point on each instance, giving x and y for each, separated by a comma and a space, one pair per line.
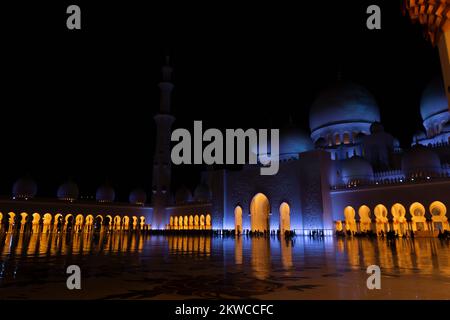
417, 211
350, 222
364, 218
238, 220
381, 218
398, 212
208, 221
285, 218
259, 211
438, 212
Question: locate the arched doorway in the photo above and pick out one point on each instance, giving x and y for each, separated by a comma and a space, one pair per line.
36, 221
191, 222
259, 212
117, 220
365, 223
285, 218
350, 222
47, 222
417, 211
98, 223
68, 223
438, 212
381, 218
398, 212
238, 220
196, 221
142, 224
202, 222
175, 223
208, 221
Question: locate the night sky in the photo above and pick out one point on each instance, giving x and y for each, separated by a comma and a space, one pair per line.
80, 104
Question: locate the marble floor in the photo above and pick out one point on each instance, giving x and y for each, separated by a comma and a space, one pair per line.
132, 266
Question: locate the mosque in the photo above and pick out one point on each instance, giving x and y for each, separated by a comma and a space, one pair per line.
348, 173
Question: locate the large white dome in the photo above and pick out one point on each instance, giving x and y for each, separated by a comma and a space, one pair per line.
343, 103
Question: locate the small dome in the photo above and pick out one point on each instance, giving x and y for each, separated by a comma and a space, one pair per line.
24, 188
421, 161
434, 99
138, 196
105, 193
292, 141
183, 195
356, 170
202, 193
68, 191
343, 103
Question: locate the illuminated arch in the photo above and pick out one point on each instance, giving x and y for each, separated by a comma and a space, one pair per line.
398, 212
381, 213
438, 212
350, 222
1, 218
175, 223
259, 212
99, 216
196, 222
142, 224
109, 219
135, 222
125, 222
338, 225
364, 218
238, 220
285, 218
67, 217
36, 218
79, 219
191, 222
24, 216
419, 222
89, 220
208, 221
186, 222
117, 220
202, 221
47, 219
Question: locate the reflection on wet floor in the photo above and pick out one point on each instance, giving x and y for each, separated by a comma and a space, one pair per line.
238, 267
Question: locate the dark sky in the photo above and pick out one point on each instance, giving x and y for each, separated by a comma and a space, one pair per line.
80, 104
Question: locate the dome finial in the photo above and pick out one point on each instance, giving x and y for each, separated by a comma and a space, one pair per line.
166, 70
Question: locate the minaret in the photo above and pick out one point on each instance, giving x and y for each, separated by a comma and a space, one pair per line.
161, 158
